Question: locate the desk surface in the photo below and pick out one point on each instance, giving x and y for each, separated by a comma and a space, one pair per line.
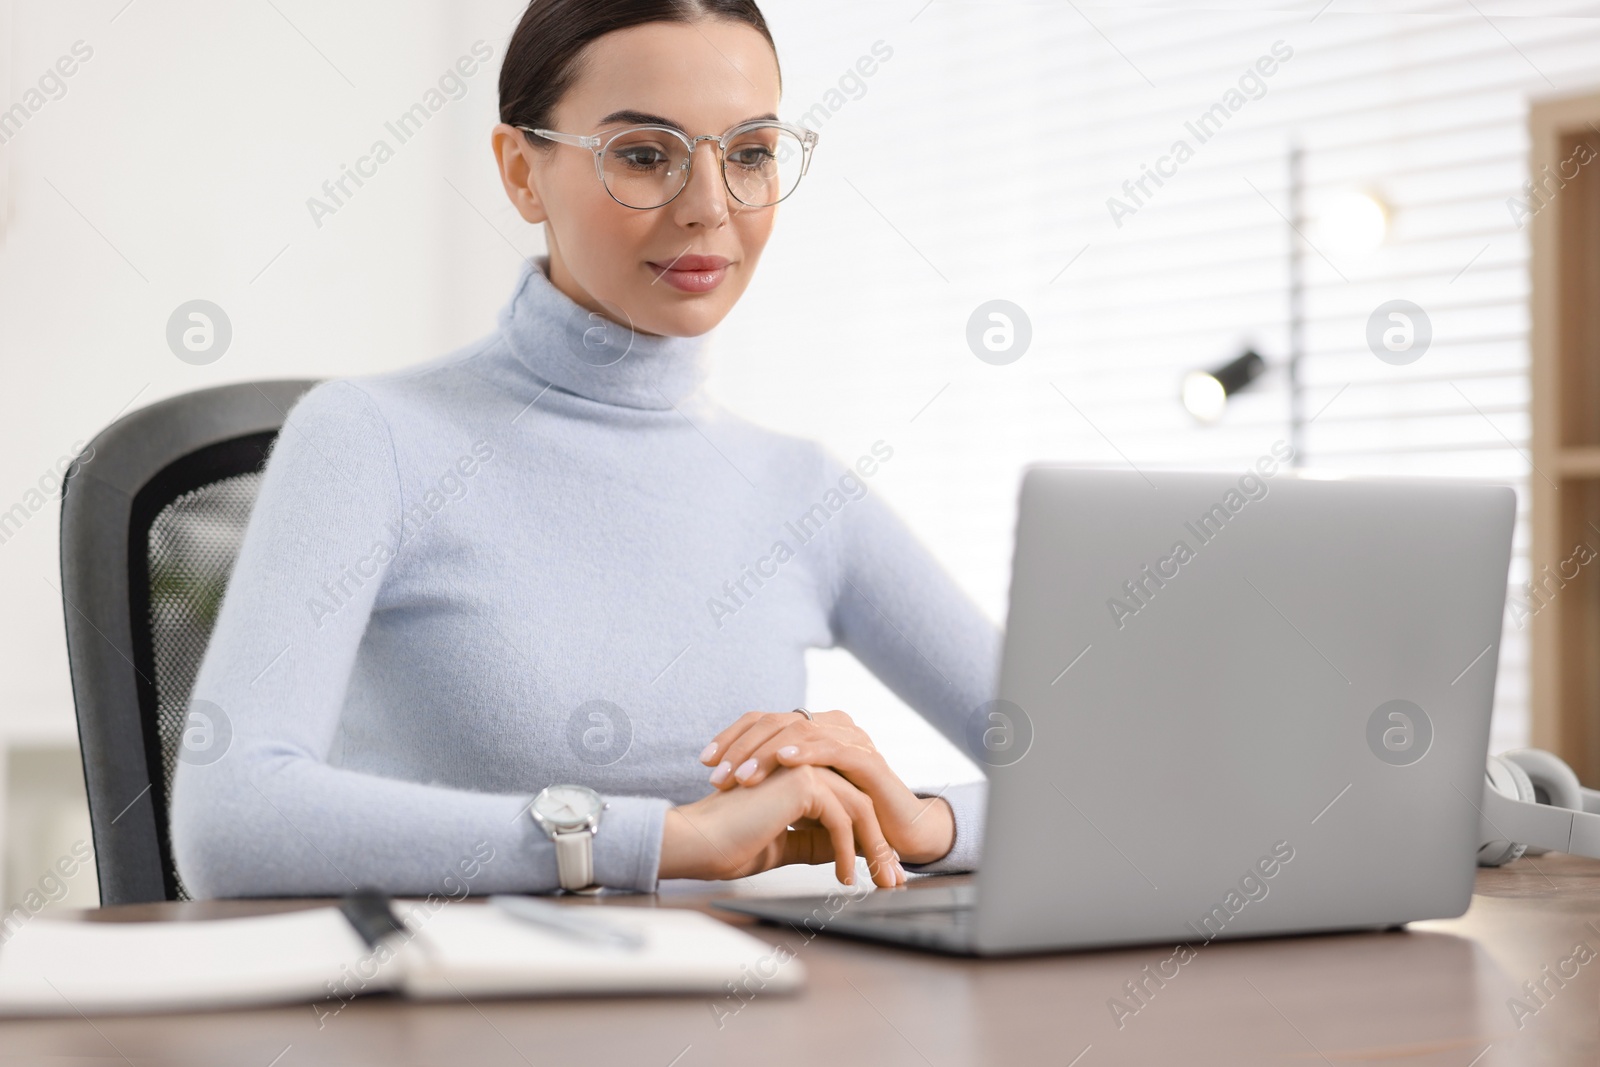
1436, 993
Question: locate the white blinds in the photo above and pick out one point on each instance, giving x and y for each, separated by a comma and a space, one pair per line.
977, 163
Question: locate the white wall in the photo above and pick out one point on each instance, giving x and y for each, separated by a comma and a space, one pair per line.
177, 166
973, 164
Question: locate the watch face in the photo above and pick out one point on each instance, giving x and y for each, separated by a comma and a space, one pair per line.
567, 805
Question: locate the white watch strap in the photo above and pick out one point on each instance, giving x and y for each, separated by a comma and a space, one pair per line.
575, 859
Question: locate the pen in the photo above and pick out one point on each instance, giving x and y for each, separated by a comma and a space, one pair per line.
368, 911
562, 920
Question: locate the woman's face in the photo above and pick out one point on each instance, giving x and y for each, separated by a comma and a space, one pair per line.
702, 78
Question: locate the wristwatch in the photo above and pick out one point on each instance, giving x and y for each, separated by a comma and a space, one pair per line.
570, 816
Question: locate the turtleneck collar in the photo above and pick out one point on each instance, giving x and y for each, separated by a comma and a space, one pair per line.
586, 353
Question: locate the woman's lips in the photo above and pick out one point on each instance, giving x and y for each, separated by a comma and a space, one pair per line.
692, 274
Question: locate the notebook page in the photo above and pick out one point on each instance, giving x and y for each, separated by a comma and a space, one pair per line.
54, 967
481, 951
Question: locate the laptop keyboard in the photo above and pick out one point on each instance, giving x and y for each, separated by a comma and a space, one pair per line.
940, 917
952, 901
951, 917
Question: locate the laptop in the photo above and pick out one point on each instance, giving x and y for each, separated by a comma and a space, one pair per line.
1230, 705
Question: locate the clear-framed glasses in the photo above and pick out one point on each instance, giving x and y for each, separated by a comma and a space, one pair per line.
647, 166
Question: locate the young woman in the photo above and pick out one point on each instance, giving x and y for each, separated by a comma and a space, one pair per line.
501, 618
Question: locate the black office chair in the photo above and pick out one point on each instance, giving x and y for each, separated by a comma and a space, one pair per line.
152, 516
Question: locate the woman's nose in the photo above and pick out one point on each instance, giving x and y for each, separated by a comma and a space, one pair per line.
706, 198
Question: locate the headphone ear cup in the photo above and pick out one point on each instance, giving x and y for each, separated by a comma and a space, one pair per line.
1509, 780
1554, 783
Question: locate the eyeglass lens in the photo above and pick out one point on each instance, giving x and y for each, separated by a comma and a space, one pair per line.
647, 168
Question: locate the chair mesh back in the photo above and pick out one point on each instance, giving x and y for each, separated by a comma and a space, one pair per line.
193, 543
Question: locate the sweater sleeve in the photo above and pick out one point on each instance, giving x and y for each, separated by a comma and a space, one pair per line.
259, 809
903, 616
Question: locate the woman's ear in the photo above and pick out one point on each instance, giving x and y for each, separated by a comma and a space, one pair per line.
515, 157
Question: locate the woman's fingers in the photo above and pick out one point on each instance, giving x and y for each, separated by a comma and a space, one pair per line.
837, 818
918, 828
828, 811
801, 815
762, 750
722, 749
869, 838
865, 768
735, 755
862, 764
729, 749
720, 742
842, 831
754, 755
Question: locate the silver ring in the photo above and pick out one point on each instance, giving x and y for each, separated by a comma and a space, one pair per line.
809, 717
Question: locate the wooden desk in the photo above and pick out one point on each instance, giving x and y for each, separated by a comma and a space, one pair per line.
1434, 994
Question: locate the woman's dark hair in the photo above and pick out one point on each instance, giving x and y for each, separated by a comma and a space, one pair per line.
542, 58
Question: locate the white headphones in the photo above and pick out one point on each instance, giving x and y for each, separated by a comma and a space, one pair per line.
1533, 803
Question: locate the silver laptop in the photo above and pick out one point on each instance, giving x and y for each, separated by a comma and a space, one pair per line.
1230, 705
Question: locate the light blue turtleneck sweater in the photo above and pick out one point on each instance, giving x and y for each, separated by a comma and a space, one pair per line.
545, 558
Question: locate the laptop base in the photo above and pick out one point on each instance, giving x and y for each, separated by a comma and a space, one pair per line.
936, 919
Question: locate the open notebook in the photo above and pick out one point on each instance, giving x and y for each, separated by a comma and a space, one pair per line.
445, 950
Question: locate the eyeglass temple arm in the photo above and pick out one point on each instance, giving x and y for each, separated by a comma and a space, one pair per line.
564, 138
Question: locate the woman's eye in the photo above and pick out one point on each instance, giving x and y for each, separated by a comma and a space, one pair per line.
752, 157
640, 158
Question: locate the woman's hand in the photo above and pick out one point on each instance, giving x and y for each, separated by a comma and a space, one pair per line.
760, 744
733, 834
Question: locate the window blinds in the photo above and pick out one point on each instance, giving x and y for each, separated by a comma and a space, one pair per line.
987, 159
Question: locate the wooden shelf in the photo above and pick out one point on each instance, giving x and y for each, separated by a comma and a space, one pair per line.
1579, 462
1564, 596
